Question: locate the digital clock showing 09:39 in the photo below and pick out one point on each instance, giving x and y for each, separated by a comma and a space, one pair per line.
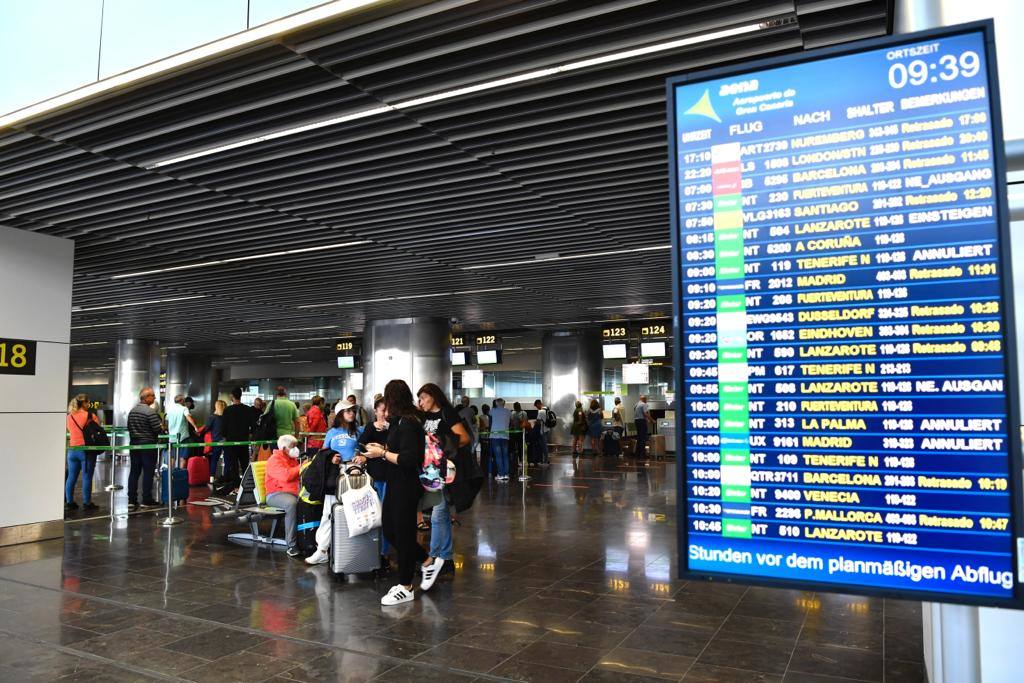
17, 357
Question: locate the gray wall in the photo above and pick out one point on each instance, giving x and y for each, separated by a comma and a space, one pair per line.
35, 277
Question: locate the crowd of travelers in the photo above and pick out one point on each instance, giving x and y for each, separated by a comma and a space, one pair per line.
392, 446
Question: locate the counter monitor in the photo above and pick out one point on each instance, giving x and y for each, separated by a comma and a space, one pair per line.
613, 351
636, 373
489, 357
652, 349
472, 379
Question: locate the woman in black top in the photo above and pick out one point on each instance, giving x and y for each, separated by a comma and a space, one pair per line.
398, 464
440, 419
377, 432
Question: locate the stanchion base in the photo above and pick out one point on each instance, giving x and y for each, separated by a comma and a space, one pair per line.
171, 521
112, 487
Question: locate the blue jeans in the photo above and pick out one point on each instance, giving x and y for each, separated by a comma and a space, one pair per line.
542, 441
441, 531
381, 488
77, 463
499, 449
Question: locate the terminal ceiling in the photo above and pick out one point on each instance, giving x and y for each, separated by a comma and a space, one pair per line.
431, 200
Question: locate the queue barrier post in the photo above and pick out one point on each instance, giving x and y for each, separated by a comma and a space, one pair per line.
525, 476
113, 485
171, 520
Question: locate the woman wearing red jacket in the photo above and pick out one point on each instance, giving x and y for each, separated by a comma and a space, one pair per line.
316, 422
282, 482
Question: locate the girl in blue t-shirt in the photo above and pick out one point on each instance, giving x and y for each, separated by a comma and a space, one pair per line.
341, 438
343, 435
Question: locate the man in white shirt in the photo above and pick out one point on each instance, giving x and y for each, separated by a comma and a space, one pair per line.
642, 419
619, 416
500, 420
178, 420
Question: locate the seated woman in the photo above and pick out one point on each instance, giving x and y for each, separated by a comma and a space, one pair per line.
282, 482
341, 438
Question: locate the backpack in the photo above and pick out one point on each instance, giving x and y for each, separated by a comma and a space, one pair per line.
550, 419
266, 425
313, 476
92, 433
439, 457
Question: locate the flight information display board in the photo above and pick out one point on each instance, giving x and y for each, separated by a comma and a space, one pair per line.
843, 316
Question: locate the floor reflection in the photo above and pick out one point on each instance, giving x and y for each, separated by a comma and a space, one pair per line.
569, 578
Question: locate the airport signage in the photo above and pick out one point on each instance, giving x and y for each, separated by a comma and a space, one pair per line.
17, 357
845, 325
614, 332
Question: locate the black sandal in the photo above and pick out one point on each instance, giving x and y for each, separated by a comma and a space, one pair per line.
423, 526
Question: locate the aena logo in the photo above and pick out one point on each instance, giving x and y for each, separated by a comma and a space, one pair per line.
704, 108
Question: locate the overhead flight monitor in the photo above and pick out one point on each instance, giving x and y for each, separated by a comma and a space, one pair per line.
842, 282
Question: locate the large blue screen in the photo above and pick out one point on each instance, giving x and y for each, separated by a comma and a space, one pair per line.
843, 325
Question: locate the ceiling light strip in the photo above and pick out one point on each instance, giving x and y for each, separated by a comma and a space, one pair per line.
76, 309
288, 329
271, 29
239, 259
471, 89
86, 327
571, 257
606, 308
406, 297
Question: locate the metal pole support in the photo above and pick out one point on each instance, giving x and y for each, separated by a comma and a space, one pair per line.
171, 520
525, 476
113, 486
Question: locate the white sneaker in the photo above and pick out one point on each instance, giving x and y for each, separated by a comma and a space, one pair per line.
396, 596
430, 573
319, 557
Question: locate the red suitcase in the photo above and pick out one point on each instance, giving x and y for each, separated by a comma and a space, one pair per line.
198, 471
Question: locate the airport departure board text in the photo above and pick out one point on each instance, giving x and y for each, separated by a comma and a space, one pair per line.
843, 324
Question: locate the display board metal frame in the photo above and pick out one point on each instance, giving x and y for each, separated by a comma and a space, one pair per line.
1016, 462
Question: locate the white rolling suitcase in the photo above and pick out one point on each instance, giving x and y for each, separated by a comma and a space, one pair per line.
359, 554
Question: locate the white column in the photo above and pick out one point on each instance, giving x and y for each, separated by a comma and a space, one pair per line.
35, 279
970, 644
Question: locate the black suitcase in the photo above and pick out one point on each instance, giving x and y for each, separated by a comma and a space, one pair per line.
610, 445
307, 521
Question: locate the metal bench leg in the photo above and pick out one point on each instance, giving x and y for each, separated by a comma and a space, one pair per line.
273, 528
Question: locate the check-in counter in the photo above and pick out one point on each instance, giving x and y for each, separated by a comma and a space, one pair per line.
667, 428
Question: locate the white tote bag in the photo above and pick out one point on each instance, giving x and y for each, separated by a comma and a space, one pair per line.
362, 507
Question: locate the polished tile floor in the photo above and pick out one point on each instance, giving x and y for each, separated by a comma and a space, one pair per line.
569, 579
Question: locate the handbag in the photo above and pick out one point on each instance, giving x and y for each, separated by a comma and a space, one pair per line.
362, 506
